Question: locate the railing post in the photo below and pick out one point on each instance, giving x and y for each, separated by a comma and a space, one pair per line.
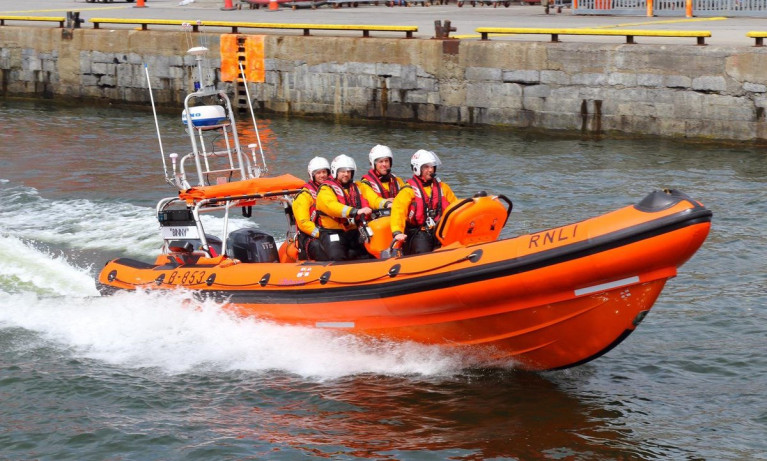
650, 8
443, 32
688, 9
73, 20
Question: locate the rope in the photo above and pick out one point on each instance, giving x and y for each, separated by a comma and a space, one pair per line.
465, 258
304, 283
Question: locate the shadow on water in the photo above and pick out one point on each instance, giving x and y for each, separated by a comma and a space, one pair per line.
476, 415
473, 414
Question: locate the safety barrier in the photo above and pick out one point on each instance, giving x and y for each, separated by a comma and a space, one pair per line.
58, 19
672, 8
758, 36
307, 4
700, 35
235, 26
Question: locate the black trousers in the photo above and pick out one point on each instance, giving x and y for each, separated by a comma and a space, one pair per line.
419, 241
341, 245
310, 248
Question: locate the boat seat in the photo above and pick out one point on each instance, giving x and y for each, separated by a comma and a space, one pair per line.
180, 246
133, 263
188, 259
479, 219
382, 236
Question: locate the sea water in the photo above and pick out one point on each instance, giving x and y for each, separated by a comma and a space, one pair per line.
163, 376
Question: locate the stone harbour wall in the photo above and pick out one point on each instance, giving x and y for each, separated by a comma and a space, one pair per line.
667, 90
105, 65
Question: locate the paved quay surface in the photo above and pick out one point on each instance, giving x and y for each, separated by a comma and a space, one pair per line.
725, 31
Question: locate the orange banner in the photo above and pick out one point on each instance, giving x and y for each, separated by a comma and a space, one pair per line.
229, 57
251, 55
254, 58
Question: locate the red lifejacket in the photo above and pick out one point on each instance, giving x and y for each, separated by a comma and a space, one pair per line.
372, 180
313, 188
350, 196
421, 204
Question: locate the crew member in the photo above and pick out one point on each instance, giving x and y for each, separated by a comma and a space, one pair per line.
419, 206
342, 207
305, 211
379, 186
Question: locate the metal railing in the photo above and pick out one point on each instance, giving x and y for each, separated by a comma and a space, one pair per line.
699, 35
58, 19
758, 36
235, 26
676, 8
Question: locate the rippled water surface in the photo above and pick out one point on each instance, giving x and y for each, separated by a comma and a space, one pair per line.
144, 376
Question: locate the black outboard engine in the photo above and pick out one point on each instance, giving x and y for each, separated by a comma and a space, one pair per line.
252, 246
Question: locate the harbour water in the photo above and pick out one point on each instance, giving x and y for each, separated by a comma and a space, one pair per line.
144, 376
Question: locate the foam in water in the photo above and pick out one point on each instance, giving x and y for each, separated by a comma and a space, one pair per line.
175, 333
27, 269
83, 224
78, 223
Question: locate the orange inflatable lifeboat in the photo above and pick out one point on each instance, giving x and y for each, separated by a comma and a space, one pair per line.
550, 299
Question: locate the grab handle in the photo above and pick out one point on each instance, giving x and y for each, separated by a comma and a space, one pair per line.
391, 251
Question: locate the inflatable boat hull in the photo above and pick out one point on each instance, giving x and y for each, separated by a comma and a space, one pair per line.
547, 300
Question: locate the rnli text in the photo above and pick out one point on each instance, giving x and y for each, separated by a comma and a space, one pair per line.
549, 237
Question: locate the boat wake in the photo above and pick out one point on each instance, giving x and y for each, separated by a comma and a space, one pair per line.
81, 224
31, 271
76, 223
57, 304
177, 334
47, 289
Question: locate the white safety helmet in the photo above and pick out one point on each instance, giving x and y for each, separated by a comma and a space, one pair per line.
342, 162
380, 151
423, 157
316, 164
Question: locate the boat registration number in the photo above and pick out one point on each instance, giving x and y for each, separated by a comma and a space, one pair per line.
180, 232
